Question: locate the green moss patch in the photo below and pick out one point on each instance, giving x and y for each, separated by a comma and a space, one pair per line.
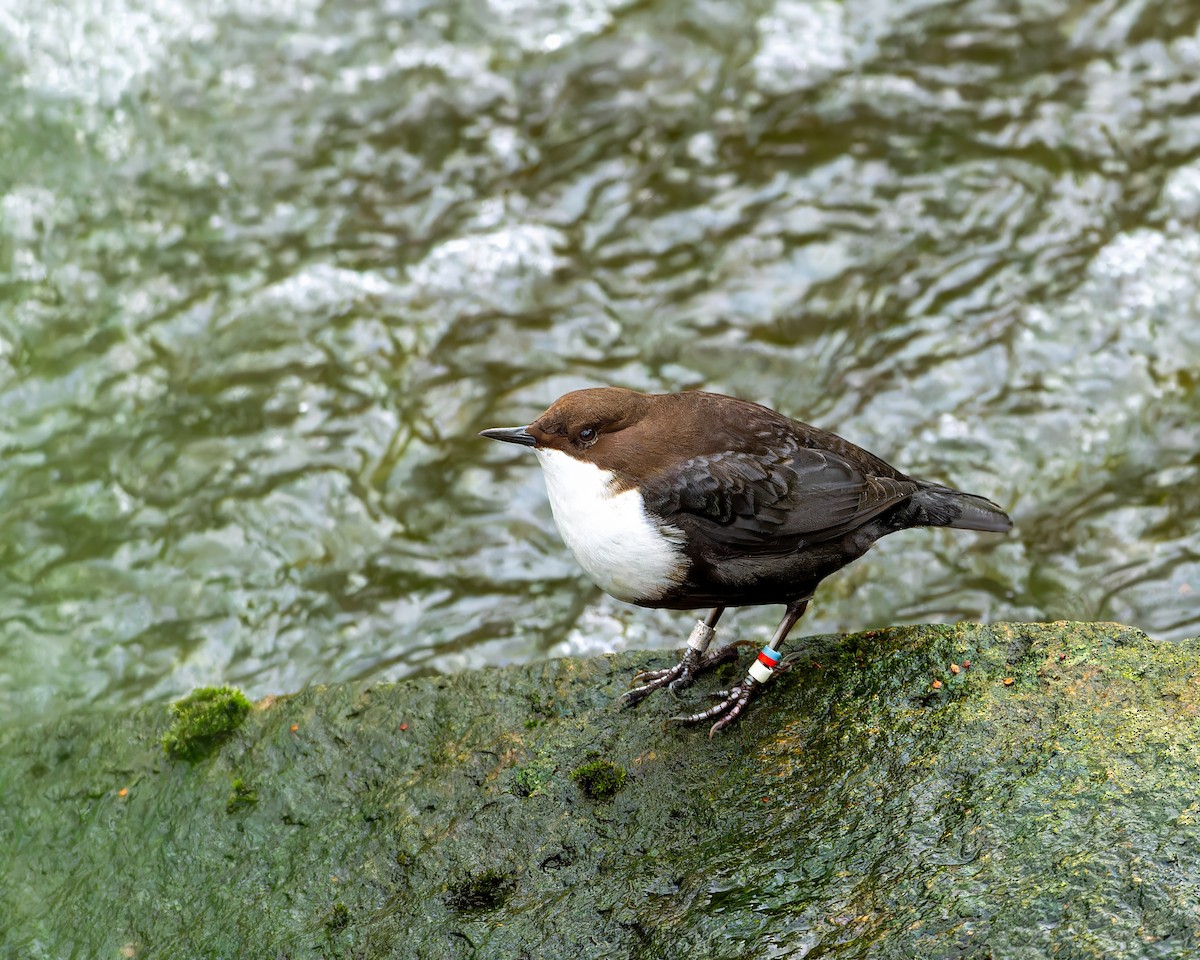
241, 797
480, 891
600, 779
203, 720
528, 779
338, 917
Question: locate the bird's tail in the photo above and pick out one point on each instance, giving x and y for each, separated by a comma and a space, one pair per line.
936, 506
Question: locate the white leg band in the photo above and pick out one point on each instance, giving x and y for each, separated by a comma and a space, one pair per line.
762, 668
701, 636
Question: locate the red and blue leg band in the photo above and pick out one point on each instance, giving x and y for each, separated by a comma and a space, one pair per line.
762, 668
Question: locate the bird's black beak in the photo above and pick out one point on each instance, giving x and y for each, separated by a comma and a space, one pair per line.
511, 435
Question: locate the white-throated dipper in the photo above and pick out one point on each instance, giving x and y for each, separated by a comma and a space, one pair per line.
685, 500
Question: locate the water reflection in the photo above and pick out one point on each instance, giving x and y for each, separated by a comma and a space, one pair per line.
264, 272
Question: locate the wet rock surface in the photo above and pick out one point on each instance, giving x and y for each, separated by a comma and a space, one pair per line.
267, 266
1016, 790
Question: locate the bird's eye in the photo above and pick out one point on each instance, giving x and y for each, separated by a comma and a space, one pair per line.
587, 435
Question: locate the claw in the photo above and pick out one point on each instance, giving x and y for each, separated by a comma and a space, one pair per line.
643, 676
728, 710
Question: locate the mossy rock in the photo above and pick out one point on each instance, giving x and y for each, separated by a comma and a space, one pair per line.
891, 797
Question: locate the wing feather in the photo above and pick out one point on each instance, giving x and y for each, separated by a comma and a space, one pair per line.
771, 503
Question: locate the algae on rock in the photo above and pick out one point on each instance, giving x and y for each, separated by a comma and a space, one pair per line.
858, 811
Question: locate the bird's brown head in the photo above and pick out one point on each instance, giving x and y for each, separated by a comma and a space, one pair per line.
632, 434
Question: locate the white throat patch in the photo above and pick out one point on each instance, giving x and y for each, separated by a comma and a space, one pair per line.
625, 552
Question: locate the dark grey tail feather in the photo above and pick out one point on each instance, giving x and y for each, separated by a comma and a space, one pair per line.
937, 506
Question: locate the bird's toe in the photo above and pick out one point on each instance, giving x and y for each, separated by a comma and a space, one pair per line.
733, 704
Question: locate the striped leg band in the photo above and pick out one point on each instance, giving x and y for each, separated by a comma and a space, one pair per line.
762, 668
701, 636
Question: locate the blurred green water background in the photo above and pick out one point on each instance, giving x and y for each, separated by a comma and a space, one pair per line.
266, 267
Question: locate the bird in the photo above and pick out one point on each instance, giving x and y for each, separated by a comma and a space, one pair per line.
700, 500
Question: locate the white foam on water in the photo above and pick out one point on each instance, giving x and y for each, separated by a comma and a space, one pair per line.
92, 50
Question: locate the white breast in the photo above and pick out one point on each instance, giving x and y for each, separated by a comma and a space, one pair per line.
626, 553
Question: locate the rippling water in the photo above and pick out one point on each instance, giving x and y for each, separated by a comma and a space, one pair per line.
265, 270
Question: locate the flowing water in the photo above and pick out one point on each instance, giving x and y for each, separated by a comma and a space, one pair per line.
267, 267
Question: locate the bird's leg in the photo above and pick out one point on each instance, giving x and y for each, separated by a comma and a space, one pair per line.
734, 700
694, 660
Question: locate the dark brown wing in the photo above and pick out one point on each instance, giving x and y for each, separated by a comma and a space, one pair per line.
771, 504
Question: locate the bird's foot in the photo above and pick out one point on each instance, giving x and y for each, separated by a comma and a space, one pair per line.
732, 705
676, 678
734, 700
